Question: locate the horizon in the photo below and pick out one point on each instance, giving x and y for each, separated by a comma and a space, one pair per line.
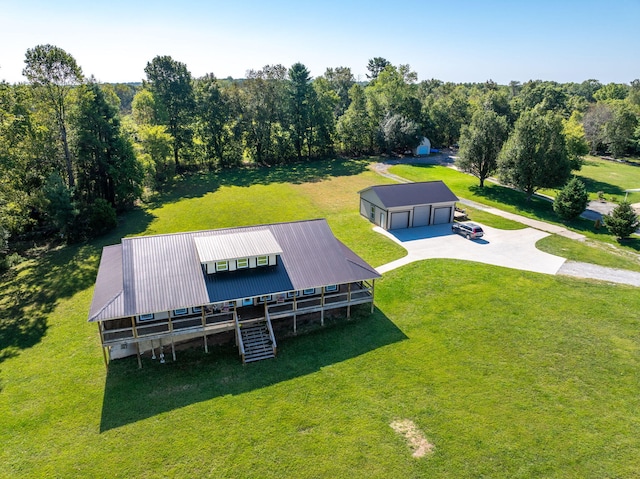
463, 42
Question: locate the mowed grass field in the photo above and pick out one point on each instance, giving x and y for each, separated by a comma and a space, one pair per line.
506, 373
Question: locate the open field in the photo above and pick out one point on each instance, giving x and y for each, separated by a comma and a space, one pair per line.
610, 177
505, 373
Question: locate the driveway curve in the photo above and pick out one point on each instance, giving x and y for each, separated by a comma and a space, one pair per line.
508, 248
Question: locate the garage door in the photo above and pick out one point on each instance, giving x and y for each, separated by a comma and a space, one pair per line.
399, 220
441, 215
421, 215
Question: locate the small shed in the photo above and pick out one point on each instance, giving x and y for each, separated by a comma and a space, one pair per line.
408, 205
424, 148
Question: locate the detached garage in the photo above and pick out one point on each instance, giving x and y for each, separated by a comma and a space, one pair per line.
408, 205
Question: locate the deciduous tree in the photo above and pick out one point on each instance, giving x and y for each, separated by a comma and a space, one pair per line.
170, 83
535, 155
259, 101
341, 80
354, 128
54, 72
577, 145
481, 142
214, 124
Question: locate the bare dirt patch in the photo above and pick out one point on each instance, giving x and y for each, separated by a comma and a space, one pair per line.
414, 436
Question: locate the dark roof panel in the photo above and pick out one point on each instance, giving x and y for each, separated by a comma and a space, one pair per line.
409, 194
247, 283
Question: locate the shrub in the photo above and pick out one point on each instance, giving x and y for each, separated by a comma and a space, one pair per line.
102, 217
571, 200
622, 221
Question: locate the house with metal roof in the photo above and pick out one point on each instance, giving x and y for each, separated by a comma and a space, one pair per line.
408, 205
249, 283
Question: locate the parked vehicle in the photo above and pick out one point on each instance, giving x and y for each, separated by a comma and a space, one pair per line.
468, 230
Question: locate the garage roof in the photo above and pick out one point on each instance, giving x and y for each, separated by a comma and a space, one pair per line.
410, 194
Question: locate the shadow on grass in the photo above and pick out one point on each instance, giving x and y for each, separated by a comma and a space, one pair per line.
199, 184
32, 290
133, 394
593, 186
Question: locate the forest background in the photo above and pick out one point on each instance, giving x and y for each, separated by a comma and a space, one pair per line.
74, 153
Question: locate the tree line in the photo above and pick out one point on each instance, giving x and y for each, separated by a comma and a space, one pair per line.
74, 152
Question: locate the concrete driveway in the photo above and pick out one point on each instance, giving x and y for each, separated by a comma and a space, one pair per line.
511, 249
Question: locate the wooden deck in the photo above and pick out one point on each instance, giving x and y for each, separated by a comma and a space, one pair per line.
212, 321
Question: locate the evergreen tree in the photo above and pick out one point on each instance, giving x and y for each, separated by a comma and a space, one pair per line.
106, 164
622, 221
572, 200
301, 101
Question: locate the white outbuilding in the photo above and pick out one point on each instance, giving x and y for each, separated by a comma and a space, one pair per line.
424, 148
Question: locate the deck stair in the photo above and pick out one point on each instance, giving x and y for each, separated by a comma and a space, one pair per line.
257, 341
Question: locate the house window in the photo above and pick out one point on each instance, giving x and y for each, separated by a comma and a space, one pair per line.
146, 317
197, 309
373, 213
247, 302
331, 287
242, 263
265, 298
309, 291
180, 312
262, 261
293, 294
222, 265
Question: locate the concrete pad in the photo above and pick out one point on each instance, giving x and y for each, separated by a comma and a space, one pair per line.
511, 249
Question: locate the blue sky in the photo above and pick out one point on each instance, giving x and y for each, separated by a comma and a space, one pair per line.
455, 40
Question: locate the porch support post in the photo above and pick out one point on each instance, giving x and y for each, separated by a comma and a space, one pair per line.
204, 332
373, 296
104, 353
133, 327
349, 301
138, 354
173, 349
295, 313
322, 307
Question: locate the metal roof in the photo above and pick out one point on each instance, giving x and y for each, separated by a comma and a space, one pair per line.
150, 274
107, 296
410, 194
239, 244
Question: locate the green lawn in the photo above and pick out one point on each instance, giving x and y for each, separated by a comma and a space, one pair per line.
507, 373
610, 177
